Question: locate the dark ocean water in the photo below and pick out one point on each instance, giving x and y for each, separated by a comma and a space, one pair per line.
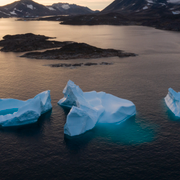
146, 146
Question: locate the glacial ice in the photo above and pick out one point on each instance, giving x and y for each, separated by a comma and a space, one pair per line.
172, 100
14, 112
88, 108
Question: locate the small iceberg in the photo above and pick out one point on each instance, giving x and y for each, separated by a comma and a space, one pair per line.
14, 112
172, 100
88, 108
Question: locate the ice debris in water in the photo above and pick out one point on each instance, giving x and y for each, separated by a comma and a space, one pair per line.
14, 112
172, 100
88, 108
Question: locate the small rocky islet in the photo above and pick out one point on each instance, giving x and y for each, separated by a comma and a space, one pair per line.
78, 64
28, 42
77, 51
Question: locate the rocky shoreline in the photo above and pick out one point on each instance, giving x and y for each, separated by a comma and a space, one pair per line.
28, 42
164, 22
156, 20
67, 50
77, 51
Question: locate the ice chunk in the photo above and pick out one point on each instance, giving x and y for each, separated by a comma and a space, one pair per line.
79, 121
14, 112
172, 100
88, 108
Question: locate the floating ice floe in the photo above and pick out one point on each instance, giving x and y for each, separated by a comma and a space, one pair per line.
14, 112
88, 108
172, 100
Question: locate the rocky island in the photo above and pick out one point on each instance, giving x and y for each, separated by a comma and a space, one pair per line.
78, 64
77, 51
28, 42
67, 50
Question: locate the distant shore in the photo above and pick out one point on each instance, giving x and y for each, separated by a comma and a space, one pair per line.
164, 22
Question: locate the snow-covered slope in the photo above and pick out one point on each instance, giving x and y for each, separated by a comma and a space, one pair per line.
26, 8
71, 9
144, 6
29, 8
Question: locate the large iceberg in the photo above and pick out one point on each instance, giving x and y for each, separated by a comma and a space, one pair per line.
14, 112
172, 100
88, 108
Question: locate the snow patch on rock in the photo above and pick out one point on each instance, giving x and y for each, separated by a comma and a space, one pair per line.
13, 12
150, 1
174, 1
5, 13
145, 7
65, 6
51, 8
17, 10
163, 4
175, 12
30, 6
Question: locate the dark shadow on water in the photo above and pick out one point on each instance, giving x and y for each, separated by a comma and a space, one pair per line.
171, 116
78, 142
66, 109
29, 129
130, 132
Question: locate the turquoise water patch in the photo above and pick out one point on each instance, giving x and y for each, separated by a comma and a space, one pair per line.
130, 132
8, 111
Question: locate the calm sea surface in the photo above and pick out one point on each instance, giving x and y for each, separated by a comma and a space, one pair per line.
146, 146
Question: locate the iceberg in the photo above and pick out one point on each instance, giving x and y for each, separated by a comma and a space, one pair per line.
88, 108
172, 100
14, 112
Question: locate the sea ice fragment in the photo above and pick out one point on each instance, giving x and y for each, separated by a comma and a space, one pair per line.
172, 100
88, 108
14, 112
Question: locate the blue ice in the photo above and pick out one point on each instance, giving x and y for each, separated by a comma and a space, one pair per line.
14, 112
88, 108
172, 100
